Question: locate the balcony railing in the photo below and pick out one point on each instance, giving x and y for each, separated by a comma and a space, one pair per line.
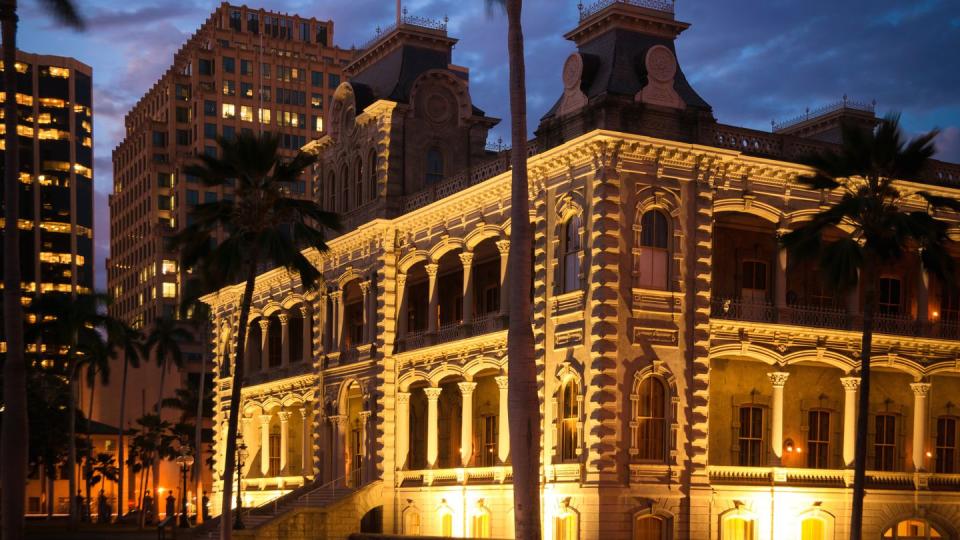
483, 324
665, 6
729, 474
462, 475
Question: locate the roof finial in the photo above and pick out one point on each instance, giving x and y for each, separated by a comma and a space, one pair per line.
398, 12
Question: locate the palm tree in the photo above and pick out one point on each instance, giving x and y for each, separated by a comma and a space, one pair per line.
864, 169
129, 342
191, 307
97, 362
521, 362
151, 444
47, 398
13, 440
72, 325
265, 226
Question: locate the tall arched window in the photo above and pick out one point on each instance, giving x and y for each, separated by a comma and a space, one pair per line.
446, 521
372, 175
480, 522
652, 420
411, 523
649, 527
653, 255
344, 189
358, 184
739, 528
566, 526
569, 418
572, 250
434, 166
813, 528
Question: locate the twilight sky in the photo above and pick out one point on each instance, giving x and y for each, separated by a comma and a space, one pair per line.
752, 61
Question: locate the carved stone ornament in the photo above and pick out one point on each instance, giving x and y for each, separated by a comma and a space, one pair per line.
661, 71
573, 98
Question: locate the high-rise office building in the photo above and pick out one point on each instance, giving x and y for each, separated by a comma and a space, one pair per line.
54, 98
243, 70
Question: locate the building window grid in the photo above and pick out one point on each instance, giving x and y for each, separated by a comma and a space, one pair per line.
885, 442
652, 421
946, 446
818, 439
750, 437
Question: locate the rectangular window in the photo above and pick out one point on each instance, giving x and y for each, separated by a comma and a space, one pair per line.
305, 32
316, 101
246, 89
229, 110
317, 123
265, 70
210, 131
183, 137
264, 116
235, 19
164, 180
333, 80
229, 132
266, 93
164, 202
253, 23
889, 296
209, 107
751, 436
205, 66
322, 34
946, 445
316, 78
274, 455
193, 197
209, 196
229, 88
488, 441
246, 67
885, 442
246, 113
183, 115
229, 64
169, 267
169, 290
818, 439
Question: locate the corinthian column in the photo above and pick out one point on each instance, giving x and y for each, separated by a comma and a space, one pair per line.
284, 439
503, 246
920, 392
264, 344
307, 334
402, 424
434, 298
850, 386
466, 259
264, 444
433, 395
778, 379
503, 421
365, 309
284, 339
466, 422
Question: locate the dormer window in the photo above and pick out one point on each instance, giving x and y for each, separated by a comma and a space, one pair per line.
434, 166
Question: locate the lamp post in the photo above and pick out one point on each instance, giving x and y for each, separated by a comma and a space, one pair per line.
241, 457
185, 461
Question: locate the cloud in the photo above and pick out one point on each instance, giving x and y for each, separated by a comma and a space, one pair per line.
948, 144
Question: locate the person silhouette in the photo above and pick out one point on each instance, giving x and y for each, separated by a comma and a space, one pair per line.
205, 506
171, 505
148, 508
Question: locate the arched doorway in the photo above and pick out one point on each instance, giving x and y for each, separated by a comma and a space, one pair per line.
913, 529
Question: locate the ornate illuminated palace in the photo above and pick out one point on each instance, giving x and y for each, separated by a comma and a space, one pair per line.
695, 381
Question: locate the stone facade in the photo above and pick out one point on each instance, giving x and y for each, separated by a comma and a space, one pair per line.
694, 381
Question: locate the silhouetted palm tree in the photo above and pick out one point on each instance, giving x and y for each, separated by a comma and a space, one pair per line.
13, 441
265, 226
521, 362
129, 342
864, 169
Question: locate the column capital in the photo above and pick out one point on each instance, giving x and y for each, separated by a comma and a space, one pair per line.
850, 384
466, 258
502, 381
264, 324
778, 378
284, 416
336, 294
364, 415
365, 287
431, 269
337, 419
401, 279
432, 393
284, 318
403, 397
304, 310
920, 389
503, 246
264, 419
467, 388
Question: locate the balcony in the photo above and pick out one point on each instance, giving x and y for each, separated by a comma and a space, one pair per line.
734, 475
459, 476
833, 318
486, 324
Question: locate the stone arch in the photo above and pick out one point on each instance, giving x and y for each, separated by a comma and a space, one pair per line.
671, 403
739, 351
445, 371
445, 246
343, 111
411, 520
410, 378
271, 403
481, 233
344, 392
653, 197
456, 86
271, 308
739, 512
798, 217
295, 299
666, 519
898, 363
827, 520
412, 258
749, 206
482, 363
293, 400
943, 524
824, 356
347, 276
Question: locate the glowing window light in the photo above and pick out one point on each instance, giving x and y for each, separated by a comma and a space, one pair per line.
86, 172
53, 134
55, 103
43, 118
63, 73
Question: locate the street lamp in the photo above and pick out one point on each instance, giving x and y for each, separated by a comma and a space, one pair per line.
241, 457
185, 461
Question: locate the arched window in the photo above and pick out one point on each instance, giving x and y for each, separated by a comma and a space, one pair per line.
411, 522
653, 254
434, 166
566, 526
480, 523
446, 521
344, 189
569, 418
572, 250
372, 175
913, 529
650, 527
813, 528
358, 184
739, 528
652, 420
332, 192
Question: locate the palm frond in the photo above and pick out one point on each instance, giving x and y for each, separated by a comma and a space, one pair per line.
65, 12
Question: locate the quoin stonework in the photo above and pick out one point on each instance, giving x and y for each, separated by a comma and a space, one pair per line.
695, 381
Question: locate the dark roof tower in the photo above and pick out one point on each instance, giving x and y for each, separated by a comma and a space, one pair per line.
625, 76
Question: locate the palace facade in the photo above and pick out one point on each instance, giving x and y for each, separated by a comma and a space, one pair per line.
695, 380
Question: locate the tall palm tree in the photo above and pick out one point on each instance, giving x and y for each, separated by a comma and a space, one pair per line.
13, 440
864, 169
129, 342
522, 397
264, 226
73, 325
47, 397
191, 307
97, 363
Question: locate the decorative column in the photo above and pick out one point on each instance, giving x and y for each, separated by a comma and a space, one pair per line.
402, 426
433, 395
850, 386
364, 417
365, 291
284, 339
920, 392
503, 421
503, 246
307, 334
284, 439
434, 298
264, 344
247, 353
306, 456
246, 435
780, 276
401, 307
337, 327
466, 259
338, 460
264, 444
466, 422
778, 379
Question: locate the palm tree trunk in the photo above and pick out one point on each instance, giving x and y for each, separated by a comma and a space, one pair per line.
121, 498
155, 473
72, 450
523, 403
13, 440
88, 470
197, 445
869, 280
226, 523
51, 495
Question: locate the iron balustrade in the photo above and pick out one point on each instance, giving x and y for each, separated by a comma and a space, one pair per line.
600, 5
